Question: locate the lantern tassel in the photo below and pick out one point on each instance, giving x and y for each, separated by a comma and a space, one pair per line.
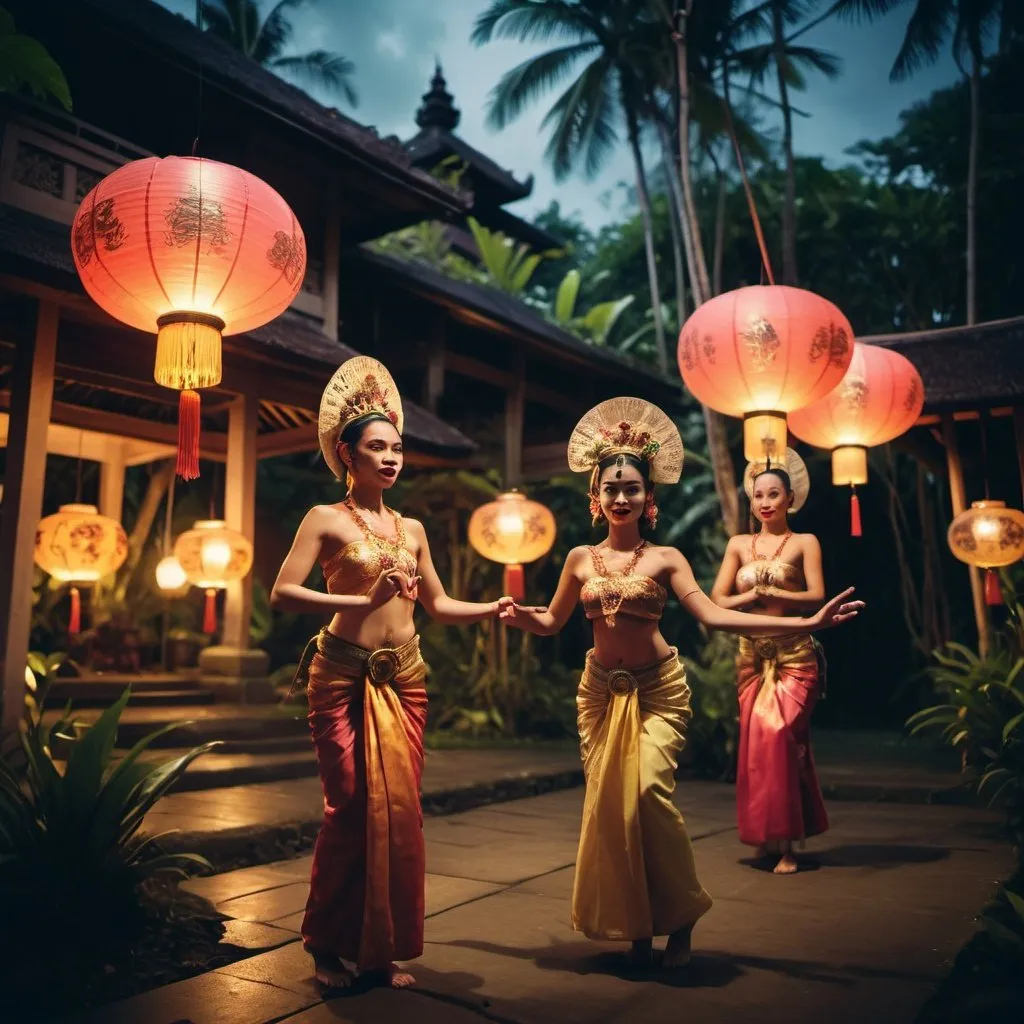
210, 612
75, 617
993, 591
188, 435
515, 582
855, 527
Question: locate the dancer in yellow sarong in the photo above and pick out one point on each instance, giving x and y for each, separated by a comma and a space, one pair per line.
365, 685
635, 872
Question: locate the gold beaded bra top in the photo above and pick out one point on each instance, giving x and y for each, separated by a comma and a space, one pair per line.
762, 572
354, 568
622, 593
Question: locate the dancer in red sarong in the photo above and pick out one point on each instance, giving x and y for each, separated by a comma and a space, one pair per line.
776, 571
365, 685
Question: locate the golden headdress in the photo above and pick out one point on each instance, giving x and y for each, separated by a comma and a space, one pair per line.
359, 387
630, 426
795, 468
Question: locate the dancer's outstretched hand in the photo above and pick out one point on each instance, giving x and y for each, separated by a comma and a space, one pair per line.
503, 604
838, 610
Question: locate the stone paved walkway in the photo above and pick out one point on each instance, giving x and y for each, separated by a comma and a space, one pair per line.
863, 936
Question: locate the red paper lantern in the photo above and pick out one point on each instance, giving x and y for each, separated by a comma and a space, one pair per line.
761, 352
880, 398
190, 249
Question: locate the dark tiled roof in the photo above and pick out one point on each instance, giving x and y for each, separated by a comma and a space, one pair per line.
223, 64
514, 315
29, 244
965, 367
432, 145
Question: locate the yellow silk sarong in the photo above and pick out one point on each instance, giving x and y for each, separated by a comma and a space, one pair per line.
635, 874
367, 712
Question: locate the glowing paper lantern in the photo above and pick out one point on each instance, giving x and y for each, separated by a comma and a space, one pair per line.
990, 536
511, 531
190, 249
880, 398
170, 576
78, 545
212, 555
761, 352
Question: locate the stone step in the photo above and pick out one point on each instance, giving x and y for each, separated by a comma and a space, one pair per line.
218, 769
103, 689
145, 698
239, 726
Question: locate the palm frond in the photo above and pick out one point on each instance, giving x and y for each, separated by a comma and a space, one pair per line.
529, 21
267, 39
527, 81
320, 67
583, 122
927, 30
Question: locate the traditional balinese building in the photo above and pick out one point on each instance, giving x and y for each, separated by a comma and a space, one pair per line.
491, 187
146, 81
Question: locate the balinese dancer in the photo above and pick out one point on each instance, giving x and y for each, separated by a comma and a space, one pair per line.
778, 799
635, 872
365, 685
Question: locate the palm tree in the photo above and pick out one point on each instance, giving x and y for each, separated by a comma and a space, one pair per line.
240, 23
932, 23
613, 41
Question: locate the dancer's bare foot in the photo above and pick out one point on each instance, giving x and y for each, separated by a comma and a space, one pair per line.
398, 978
331, 972
677, 952
787, 865
641, 953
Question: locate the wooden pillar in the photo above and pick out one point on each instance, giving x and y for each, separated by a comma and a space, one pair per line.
240, 510
958, 495
515, 402
332, 261
31, 403
433, 381
112, 484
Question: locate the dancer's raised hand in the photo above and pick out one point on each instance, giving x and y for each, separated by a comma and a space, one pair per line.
388, 585
838, 610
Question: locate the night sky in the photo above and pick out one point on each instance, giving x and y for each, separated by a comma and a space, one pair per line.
393, 44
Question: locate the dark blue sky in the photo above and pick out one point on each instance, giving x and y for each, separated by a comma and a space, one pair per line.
393, 44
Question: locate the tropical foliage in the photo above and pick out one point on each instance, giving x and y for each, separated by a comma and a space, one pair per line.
26, 65
265, 39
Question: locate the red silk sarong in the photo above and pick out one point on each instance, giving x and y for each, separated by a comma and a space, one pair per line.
778, 798
367, 712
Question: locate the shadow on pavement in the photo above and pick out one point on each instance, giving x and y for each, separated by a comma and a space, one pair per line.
880, 855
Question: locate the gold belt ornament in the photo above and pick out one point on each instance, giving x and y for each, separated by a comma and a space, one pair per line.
621, 682
382, 666
766, 648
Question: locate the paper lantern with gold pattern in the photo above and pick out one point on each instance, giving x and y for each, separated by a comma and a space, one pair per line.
761, 352
880, 398
77, 545
190, 249
990, 536
512, 530
212, 556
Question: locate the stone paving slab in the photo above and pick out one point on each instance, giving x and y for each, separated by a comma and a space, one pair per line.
863, 935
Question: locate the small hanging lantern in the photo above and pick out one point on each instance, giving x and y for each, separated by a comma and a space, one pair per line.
879, 399
761, 352
77, 545
170, 577
212, 555
990, 536
190, 249
512, 530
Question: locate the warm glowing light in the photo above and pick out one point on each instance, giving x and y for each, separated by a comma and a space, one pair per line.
212, 555
170, 576
78, 545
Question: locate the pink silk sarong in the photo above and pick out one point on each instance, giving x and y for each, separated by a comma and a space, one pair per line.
777, 793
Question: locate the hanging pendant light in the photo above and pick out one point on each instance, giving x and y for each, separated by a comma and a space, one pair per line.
190, 249
212, 555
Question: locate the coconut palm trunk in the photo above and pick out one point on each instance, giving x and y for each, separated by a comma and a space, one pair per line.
789, 266
972, 189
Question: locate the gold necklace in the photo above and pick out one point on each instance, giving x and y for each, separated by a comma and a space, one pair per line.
389, 547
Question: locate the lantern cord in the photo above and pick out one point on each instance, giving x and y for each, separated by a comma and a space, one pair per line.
751, 204
169, 515
199, 111
984, 450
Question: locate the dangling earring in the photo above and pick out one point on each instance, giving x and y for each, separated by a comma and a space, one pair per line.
596, 514
650, 511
